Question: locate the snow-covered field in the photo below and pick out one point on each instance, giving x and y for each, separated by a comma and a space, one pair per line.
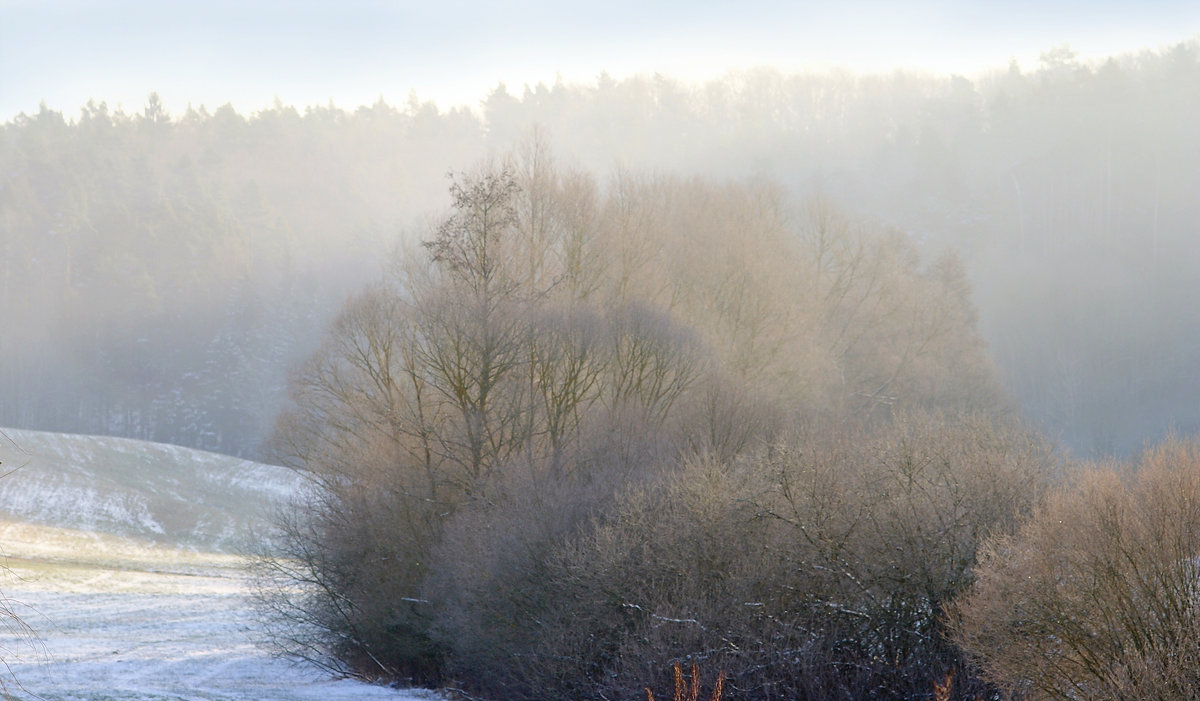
149, 491
122, 617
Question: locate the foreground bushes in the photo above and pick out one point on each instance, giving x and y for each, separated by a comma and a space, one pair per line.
1098, 595
818, 565
817, 568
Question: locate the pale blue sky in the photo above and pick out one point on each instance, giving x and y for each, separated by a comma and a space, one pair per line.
454, 52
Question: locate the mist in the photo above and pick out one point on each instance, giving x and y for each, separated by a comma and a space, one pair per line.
797, 352
162, 271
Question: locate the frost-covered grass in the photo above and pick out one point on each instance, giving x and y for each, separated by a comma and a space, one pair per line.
151, 491
152, 623
121, 557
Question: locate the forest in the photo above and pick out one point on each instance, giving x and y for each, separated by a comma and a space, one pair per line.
151, 256
835, 385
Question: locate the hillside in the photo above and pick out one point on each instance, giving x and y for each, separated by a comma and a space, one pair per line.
161, 494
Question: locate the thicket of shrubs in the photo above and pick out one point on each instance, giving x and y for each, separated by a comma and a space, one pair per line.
818, 566
1097, 596
589, 432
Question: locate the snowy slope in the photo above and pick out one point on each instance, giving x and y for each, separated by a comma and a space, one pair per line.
149, 491
122, 557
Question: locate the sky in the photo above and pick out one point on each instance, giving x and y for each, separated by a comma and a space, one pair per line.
454, 52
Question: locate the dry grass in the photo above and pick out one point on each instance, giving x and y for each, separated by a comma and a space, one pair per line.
943, 689
691, 692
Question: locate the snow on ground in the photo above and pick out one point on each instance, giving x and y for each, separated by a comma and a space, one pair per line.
152, 491
119, 557
142, 623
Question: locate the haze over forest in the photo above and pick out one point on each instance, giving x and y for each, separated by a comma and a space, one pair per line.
790, 344
162, 270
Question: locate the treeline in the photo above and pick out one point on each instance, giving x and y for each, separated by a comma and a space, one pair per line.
592, 429
159, 275
159, 271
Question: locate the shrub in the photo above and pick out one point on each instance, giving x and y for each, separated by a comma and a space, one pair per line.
1097, 595
818, 567
877, 532
341, 587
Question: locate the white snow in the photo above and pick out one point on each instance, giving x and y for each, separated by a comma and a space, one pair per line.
142, 622
118, 557
144, 490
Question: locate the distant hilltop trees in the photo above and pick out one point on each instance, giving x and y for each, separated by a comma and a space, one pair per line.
159, 271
